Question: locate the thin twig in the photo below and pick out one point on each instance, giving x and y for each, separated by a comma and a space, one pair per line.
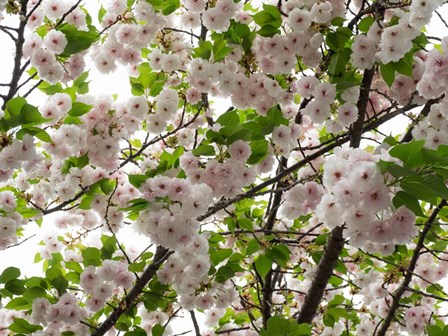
20, 243
197, 330
182, 31
61, 21
7, 32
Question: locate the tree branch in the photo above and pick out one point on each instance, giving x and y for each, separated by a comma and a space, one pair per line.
268, 284
336, 242
7, 32
408, 277
67, 13
195, 323
16, 72
160, 256
423, 113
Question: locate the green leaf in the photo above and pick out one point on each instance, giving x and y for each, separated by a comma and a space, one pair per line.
339, 61
388, 73
85, 202
23, 326
156, 88
394, 169
49, 89
414, 186
206, 150
437, 184
269, 16
220, 50
107, 185
337, 21
242, 30
158, 330
263, 265
109, 246
9, 274
16, 286
136, 332
14, 106
81, 79
268, 31
18, 303
124, 323
434, 330
245, 223
259, 149
31, 116
33, 293
78, 40
303, 329
224, 273
409, 201
101, 14
74, 266
337, 40
75, 162
91, 256
278, 326
79, 109
365, 23
137, 179
404, 66
60, 283
328, 320
137, 88
138, 205
410, 153
36, 132
229, 119
280, 254
219, 255
137, 266
204, 50
252, 247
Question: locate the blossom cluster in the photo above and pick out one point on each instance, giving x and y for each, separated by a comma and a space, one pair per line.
124, 41
10, 220
354, 194
434, 79
434, 129
175, 227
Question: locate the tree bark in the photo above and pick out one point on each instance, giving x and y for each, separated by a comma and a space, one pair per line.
335, 243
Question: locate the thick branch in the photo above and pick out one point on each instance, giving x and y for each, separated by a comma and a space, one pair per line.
323, 273
408, 277
335, 242
16, 72
197, 330
363, 100
268, 284
160, 256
